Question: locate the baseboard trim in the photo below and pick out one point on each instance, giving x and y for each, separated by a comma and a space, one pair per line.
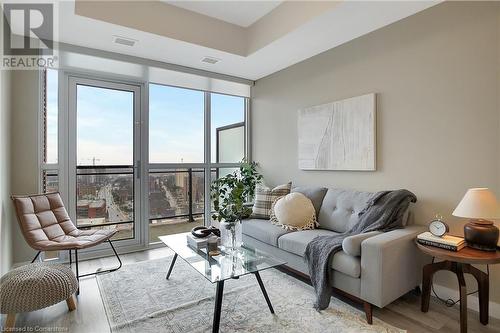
472, 300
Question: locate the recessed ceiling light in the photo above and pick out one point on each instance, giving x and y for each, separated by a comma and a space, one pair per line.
210, 60
124, 41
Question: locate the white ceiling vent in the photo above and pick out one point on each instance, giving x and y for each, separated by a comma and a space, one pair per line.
210, 60
124, 41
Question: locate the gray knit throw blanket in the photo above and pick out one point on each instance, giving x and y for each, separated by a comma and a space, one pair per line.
384, 212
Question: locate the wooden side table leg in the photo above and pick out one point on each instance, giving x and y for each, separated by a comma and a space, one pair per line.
463, 298
427, 274
483, 285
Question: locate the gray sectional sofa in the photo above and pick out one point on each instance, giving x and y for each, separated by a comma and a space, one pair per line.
375, 268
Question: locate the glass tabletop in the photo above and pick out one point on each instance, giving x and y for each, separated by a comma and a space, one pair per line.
223, 266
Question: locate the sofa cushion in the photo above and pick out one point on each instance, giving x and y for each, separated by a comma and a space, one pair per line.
263, 230
315, 194
347, 264
296, 243
340, 208
352, 244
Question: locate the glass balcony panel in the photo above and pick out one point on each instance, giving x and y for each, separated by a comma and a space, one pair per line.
125, 230
50, 181
105, 198
228, 128
176, 201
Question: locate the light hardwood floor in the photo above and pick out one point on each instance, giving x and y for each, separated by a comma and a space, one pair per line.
90, 316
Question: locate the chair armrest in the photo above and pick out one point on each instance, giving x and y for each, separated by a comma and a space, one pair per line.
391, 265
352, 244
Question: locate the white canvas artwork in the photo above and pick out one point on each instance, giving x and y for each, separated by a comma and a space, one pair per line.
339, 135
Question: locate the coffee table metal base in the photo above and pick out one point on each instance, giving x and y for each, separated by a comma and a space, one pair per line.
219, 292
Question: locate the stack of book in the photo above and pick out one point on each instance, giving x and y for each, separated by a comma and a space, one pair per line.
198, 243
447, 242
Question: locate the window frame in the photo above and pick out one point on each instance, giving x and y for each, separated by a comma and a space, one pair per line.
207, 164
63, 164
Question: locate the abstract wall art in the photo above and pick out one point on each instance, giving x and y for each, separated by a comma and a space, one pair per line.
338, 136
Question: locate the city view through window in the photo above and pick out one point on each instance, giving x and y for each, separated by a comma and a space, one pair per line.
106, 185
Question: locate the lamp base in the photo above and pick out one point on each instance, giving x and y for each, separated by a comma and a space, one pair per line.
481, 235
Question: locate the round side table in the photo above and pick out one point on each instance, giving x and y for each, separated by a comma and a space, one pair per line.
460, 262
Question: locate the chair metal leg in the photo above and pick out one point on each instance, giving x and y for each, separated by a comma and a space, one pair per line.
36, 256
70, 259
100, 270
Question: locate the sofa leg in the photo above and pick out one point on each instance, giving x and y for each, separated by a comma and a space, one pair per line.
10, 322
368, 312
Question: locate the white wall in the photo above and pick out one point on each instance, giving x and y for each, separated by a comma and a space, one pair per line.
24, 148
5, 204
437, 78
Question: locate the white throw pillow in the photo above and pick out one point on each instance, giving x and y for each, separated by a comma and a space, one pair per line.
293, 211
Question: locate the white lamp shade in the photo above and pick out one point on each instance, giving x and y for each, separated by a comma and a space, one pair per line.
478, 203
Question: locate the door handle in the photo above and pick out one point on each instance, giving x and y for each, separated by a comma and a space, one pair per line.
137, 169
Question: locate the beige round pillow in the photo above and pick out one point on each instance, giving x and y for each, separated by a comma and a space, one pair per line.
293, 211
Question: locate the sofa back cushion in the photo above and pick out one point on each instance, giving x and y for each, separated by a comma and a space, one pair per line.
340, 208
315, 194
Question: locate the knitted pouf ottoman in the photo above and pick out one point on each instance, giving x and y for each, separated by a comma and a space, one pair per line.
35, 286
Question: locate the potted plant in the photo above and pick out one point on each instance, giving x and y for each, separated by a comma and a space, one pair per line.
230, 195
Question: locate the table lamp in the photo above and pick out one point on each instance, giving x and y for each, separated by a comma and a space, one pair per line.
479, 205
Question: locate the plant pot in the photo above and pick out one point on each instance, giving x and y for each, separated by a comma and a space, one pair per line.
231, 236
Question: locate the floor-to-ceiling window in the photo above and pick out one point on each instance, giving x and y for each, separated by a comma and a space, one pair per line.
143, 168
176, 188
49, 132
191, 135
49, 163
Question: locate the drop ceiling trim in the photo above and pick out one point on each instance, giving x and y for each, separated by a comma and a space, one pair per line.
149, 62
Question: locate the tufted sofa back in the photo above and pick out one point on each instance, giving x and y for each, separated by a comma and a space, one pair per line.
43, 218
340, 209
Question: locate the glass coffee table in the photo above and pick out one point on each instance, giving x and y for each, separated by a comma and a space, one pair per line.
225, 266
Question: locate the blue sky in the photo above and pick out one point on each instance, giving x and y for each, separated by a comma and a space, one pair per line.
105, 123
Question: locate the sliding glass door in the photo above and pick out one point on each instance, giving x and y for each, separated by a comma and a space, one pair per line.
104, 155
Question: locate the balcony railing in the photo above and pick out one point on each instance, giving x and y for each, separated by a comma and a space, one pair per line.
105, 195
190, 174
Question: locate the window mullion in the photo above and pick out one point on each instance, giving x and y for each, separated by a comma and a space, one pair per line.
208, 159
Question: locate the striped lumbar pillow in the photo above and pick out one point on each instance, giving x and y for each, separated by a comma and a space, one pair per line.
264, 198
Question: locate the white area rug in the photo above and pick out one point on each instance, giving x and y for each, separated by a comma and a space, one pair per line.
137, 298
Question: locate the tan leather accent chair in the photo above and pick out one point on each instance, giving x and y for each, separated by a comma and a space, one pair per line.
46, 226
